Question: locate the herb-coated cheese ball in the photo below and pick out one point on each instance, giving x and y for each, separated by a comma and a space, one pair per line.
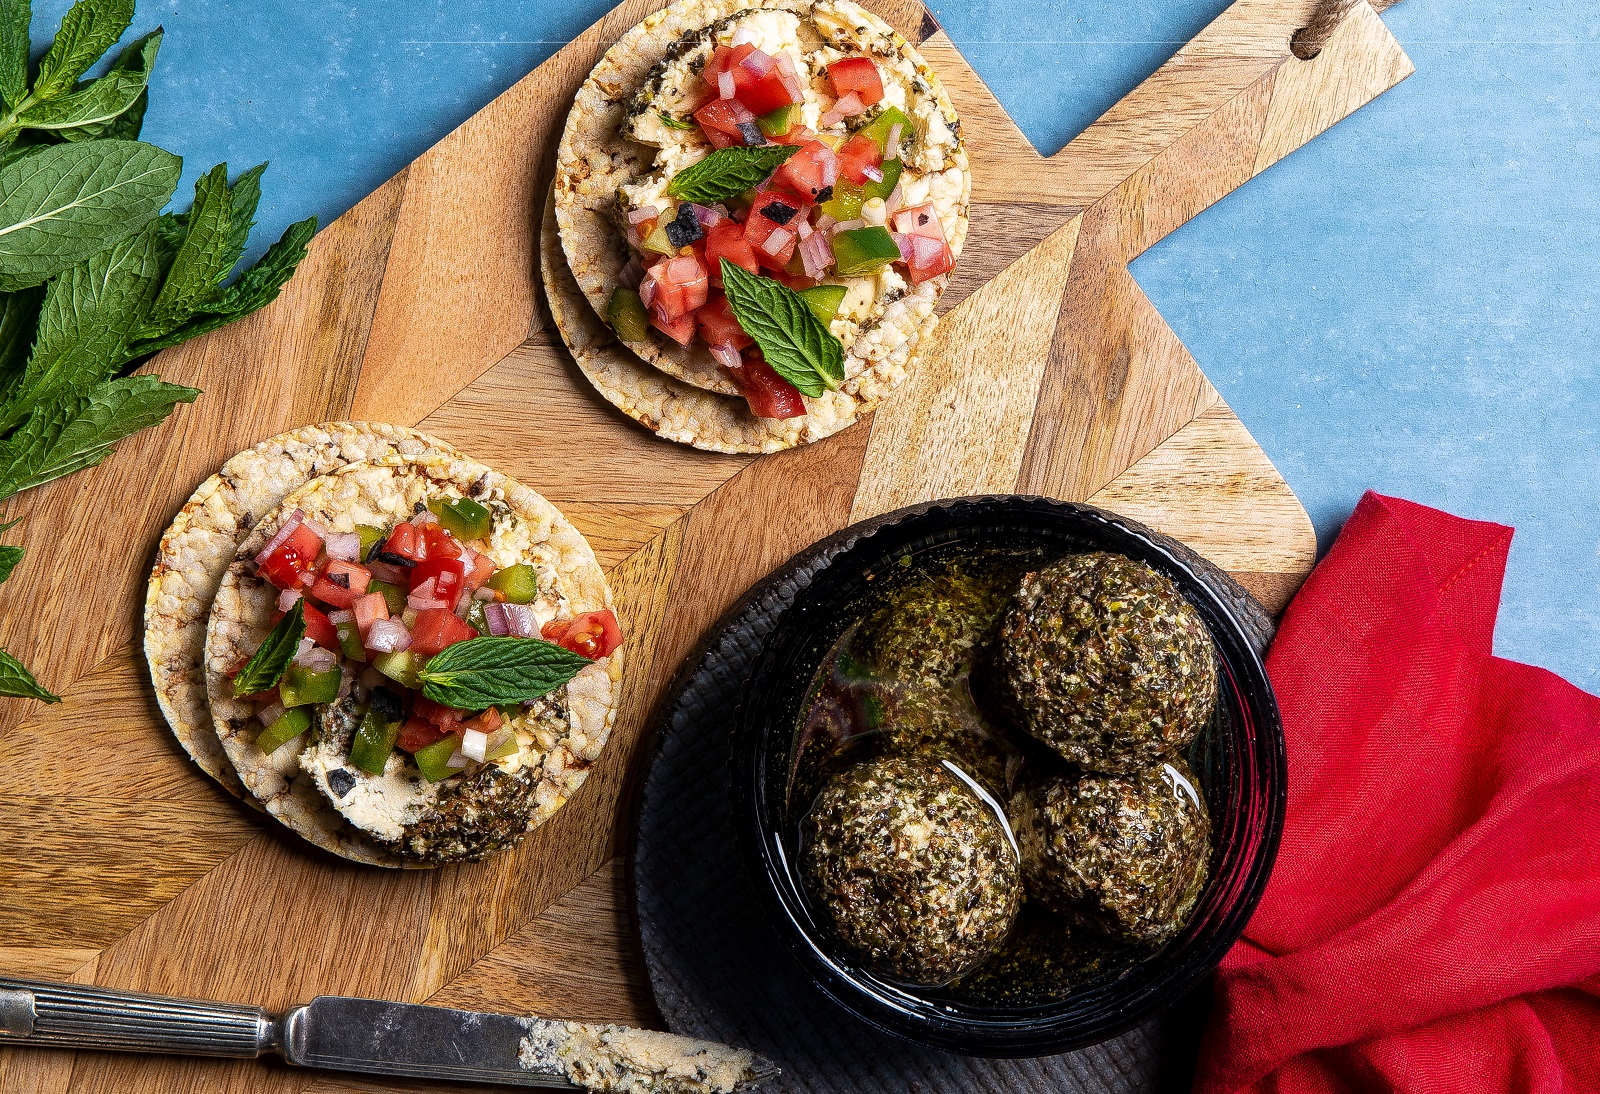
1101, 658
916, 873
1125, 853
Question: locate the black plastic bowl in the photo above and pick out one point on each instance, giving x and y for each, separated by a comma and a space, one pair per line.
1239, 761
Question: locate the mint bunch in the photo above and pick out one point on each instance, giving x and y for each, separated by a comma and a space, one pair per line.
94, 277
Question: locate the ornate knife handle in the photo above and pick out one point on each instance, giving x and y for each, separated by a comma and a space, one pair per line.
70, 1016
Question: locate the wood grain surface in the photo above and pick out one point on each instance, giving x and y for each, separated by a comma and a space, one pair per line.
120, 864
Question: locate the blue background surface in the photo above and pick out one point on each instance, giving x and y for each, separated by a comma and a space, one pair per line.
1407, 304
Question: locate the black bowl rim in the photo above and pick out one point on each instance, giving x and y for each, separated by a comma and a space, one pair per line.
1007, 1038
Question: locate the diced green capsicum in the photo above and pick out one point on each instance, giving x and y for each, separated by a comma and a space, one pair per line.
625, 312
289, 725
506, 745
403, 667
657, 241
878, 128
475, 617
824, 300
519, 584
434, 760
863, 251
777, 123
393, 595
370, 538
885, 186
462, 517
302, 687
845, 204
373, 742
350, 639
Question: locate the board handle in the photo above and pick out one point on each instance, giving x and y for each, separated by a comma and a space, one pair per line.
75, 1017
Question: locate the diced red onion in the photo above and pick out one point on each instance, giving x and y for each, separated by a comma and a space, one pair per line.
633, 238
484, 593
283, 533
903, 241
757, 63
642, 214
824, 222
423, 591
494, 617
341, 616
474, 744
830, 170
849, 225
725, 84
270, 713
791, 79
316, 659
308, 578
388, 636
764, 185
727, 356
422, 598
891, 147
305, 645
344, 546
633, 272
423, 519
322, 533
457, 761
871, 172
850, 105
388, 572
803, 229
777, 241
462, 604
520, 621
287, 598
647, 289
815, 254
832, 117
709, 216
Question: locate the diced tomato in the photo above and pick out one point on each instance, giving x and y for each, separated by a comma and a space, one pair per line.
858, 153
726, 240
482, 570
368, 610
446, 718
418, 734
680, 330
856, 74
717, 325
320, 630
919, 220
437, 628
446, 574
440, 543
680, 285
769, 395
593, 635
407, 542
809, 171
340, 583
486, 722
292, 559
930, 256
774, 211
757, 83
723, 121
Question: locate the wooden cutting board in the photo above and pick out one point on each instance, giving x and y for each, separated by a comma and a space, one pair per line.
120, 864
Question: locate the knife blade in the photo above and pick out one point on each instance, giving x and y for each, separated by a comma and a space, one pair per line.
375, 1037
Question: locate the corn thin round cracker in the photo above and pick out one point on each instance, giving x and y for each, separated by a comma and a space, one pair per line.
526, 528
196, 549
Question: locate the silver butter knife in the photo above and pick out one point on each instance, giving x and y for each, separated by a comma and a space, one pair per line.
376, 1038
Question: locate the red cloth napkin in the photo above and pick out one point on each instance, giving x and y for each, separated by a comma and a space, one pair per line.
1433, 921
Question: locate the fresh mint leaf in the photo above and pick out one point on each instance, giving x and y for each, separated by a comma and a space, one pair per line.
266, 665
89, 28
9, 557
72, 433
482, 672
246, 195
19, 318
673, 123
14, 18
100, 102
256, 288
88, 318
65, 202
728, 172
127, 79
201, 260
17, 681
793, 340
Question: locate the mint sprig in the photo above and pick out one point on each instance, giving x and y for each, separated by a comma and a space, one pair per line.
266, 666
486, 672
792, 339
728, 172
